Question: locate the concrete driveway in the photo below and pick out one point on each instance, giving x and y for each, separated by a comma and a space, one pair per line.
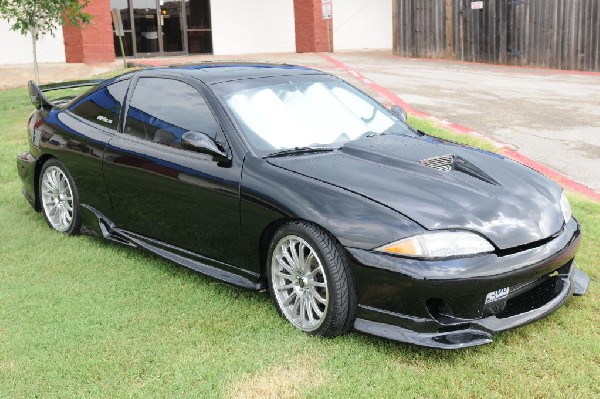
551, 117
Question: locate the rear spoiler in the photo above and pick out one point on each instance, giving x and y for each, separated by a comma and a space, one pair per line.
36, 93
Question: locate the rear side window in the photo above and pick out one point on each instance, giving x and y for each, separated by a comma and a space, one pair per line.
103, 106
162, 110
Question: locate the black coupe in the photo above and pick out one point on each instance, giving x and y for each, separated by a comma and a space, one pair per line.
289, 179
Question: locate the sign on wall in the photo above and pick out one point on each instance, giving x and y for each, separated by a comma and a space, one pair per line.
326, 6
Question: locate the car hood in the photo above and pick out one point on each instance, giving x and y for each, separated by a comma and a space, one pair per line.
505, 201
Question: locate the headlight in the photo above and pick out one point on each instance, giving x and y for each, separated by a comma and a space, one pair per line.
439, 244
565, 207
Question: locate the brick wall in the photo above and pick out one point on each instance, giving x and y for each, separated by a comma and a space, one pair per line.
92, 43
311, 28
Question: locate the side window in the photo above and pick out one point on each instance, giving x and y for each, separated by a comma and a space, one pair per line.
103, 106
162, 110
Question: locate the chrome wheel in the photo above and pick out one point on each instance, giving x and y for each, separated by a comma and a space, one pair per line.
299, 283
57, 198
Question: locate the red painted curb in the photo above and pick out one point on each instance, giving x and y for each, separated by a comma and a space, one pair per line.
506, 151
551, 173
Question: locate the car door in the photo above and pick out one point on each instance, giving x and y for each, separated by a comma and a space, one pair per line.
160, 190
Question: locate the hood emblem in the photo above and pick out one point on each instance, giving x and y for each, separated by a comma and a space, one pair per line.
442, 163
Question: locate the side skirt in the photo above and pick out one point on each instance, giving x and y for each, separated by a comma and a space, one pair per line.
208, 266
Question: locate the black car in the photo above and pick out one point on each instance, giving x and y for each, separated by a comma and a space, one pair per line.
289, 179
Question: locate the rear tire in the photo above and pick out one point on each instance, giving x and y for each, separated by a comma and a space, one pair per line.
59, 198
310, 282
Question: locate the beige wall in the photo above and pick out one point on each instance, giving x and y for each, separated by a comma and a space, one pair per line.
362, 24
257, 26
16, 49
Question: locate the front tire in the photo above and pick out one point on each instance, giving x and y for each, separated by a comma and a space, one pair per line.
309, 280
59, 198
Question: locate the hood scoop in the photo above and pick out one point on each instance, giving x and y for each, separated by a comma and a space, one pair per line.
442, 163
446, 163
486, 193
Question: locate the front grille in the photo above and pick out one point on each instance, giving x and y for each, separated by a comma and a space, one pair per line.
522, 297
498, 307
442, 163
541, 294
518, 287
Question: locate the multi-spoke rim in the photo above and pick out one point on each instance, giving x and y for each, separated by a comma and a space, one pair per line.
57, 198
299, 283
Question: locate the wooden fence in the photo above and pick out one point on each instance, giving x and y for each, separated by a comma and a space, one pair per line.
562, 34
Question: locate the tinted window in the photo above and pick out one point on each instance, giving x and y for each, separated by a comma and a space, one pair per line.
103, 106
162, 110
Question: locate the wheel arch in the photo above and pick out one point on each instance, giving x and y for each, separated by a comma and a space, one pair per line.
271, 229
265, 240
36, 178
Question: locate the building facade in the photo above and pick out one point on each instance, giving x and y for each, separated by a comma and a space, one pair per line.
221, 27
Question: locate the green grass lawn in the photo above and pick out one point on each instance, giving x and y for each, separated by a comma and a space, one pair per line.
82, 317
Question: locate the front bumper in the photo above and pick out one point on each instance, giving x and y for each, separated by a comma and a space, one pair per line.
442, 304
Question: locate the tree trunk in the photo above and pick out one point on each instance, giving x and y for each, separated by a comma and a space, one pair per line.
36, 71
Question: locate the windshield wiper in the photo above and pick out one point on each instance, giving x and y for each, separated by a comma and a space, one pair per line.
298, 150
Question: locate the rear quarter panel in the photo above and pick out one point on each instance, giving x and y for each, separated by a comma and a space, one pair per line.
80, 147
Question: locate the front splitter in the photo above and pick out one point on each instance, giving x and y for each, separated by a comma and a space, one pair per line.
474, 332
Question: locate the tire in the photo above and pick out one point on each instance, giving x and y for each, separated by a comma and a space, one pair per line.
59, 198
308, 275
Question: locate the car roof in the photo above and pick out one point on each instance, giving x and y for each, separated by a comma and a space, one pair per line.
215, 72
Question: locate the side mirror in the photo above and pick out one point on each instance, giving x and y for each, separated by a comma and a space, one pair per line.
400, 113
200, 142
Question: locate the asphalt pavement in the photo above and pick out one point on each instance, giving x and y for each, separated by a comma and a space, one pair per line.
550, 116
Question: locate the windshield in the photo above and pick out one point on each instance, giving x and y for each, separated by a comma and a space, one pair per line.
304, 111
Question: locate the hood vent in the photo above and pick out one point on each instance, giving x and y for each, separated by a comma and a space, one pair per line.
442, 163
